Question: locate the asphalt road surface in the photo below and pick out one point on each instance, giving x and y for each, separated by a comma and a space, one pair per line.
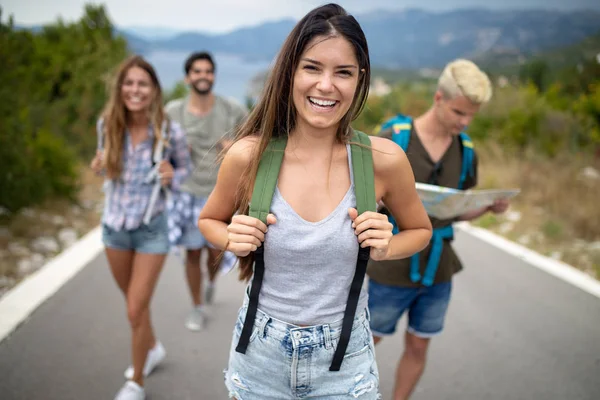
513, 332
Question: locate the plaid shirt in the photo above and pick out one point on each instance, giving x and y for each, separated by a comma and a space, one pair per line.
183, 213
128, 197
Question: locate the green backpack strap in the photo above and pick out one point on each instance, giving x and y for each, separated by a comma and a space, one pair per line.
270, 164
362, 168
260, 206
266, 179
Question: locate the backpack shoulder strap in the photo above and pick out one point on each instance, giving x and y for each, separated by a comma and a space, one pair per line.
260, 206
364, 189
159, 149
401, 127
266, 179
100, 134
468, 155
364, 176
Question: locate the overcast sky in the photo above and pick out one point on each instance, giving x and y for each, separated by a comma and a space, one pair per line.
225, 15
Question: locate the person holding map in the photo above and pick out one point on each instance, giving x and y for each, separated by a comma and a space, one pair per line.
440, 154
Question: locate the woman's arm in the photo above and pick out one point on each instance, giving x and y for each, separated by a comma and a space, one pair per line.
244, 234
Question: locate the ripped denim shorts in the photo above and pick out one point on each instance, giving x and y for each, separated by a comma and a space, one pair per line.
285, 361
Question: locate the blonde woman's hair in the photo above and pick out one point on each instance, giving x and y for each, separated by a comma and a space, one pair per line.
463, 78
115, 115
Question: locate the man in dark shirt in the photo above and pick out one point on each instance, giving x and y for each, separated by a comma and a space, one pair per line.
435, 151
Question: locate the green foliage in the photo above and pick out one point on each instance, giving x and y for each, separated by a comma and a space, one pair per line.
552, 230
520, 117
52, 88
404, 98
179, 90
46, 167
535, 72
249, 103
487, 221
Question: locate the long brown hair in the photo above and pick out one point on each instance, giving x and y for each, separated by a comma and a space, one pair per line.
115, 115
275, 114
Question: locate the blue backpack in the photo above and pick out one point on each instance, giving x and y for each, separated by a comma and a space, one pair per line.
401, 126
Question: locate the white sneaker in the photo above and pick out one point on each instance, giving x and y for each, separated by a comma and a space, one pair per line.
195, 320
131, 391
155, 356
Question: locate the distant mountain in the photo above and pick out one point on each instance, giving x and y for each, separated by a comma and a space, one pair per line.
586, 50
416, 39
260, 42
152, 32
136, 43
408, 39
509, 63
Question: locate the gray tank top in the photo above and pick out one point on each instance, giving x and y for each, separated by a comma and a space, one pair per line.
309, 266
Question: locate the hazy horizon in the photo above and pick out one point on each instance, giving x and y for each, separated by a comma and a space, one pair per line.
228, 15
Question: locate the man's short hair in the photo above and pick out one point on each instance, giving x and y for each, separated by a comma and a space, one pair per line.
463, 78
202, 55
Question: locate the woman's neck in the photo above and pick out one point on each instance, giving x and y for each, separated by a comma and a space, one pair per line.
137, 120
308, 139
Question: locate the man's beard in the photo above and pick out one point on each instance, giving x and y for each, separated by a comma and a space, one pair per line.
202, 92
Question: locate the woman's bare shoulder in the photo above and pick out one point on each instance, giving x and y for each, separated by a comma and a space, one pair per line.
241, 151
387, 155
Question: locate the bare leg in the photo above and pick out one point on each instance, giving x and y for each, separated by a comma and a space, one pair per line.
411, 366
194, 275
146, 270
121, 265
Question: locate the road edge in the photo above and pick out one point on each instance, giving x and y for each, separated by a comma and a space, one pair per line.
559, 269
23, 299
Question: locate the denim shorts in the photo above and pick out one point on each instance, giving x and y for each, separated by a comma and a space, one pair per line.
191, 238
285, 361
152, 238
427, 307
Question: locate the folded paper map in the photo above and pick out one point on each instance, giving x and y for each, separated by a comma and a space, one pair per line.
445, 203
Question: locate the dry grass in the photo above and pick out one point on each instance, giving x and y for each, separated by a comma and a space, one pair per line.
559, 208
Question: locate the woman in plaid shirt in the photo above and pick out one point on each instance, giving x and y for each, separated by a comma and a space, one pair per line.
140, 152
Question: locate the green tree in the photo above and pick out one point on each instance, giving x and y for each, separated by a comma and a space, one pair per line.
179, 90
52, 88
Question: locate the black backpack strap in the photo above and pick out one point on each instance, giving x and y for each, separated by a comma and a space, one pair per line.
350, 312
364, 188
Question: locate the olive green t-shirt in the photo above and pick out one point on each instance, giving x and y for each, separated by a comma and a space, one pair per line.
397, 272
203, 135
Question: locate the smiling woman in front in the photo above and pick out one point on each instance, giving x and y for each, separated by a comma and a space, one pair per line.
295, 200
